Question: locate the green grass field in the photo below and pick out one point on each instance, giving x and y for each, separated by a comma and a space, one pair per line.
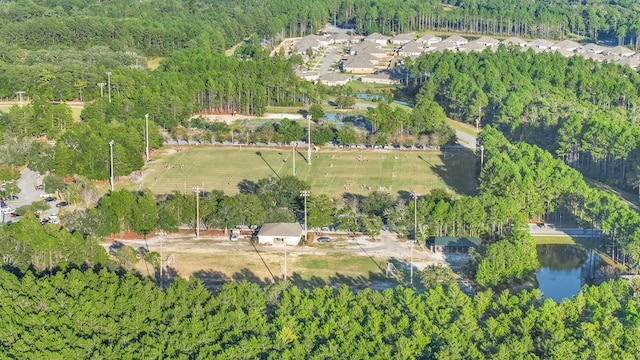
75, 111
332, 172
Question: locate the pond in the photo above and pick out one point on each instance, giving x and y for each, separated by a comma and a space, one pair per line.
340, 119
564, 269
378, 97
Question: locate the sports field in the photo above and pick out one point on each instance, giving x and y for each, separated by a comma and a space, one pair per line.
332, 172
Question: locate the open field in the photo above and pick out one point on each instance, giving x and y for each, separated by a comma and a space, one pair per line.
333, 171
76, 109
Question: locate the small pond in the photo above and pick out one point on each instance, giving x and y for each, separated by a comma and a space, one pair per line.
564, 269
378, 97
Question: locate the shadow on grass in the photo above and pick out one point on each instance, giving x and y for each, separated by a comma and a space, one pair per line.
454, 170
266, 162
373, 280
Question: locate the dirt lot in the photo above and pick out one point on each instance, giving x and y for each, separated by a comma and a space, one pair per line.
356, 261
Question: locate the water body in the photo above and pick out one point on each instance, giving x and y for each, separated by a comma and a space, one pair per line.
564, 269
340, 119
378, 97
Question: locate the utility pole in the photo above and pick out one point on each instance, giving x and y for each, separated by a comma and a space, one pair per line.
309, 140
101, 86
415, 228
482, 157
146, 133
293, 153
111, 151
197, 191
109, 84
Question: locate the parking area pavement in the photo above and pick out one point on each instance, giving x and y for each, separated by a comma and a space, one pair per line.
28, 194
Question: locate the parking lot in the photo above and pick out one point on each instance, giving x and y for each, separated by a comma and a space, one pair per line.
28, 194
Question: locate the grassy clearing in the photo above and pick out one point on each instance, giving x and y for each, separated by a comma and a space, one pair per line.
154, 62
465, 128
332, 172
332, 265
76, 110
553, 240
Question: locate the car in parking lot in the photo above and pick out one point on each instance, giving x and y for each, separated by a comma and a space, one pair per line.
62, 204
49, 198
323, 239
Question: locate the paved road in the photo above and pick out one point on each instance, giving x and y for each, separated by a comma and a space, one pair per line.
466, 140
324, 68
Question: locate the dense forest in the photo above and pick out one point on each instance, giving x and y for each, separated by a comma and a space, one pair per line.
98, 313
160, 27
583, 111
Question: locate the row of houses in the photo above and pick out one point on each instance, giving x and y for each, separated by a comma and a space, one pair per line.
375, 53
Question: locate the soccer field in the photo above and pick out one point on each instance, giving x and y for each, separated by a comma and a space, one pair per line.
332, 172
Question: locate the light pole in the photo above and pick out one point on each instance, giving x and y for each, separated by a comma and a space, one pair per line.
161, 233
305, 194
285, 260
101, 86
415, 228
309, 140
146, 134
109, 84
111, 152
20, 93
478, 120
293, 153
482, 157
197, 191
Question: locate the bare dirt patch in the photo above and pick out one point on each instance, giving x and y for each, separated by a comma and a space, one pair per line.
356, 261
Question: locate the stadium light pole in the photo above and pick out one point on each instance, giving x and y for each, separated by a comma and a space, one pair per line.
146, 134
101, 86
161, 233
197, 191
285, 260
305, 194
293, 153
109, 84
309, 139
111, 169
415, 228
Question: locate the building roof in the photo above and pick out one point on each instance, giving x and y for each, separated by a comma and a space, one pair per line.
376, 36
565, 52
540, 43
593, 48
472, 46
567, 45
514, 41
456, 241
456, 39
487, 41
402, 38
281, 229
620, 50
429, 37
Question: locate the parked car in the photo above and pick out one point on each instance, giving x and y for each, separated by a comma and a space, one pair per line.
50, 198
323, 239
62, 203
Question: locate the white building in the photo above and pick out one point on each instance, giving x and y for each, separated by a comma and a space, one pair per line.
289, 233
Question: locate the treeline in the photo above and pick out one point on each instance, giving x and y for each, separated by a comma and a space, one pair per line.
584, 111
161, 27
97, 313
535, 184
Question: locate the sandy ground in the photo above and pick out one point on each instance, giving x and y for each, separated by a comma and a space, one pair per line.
215, 259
